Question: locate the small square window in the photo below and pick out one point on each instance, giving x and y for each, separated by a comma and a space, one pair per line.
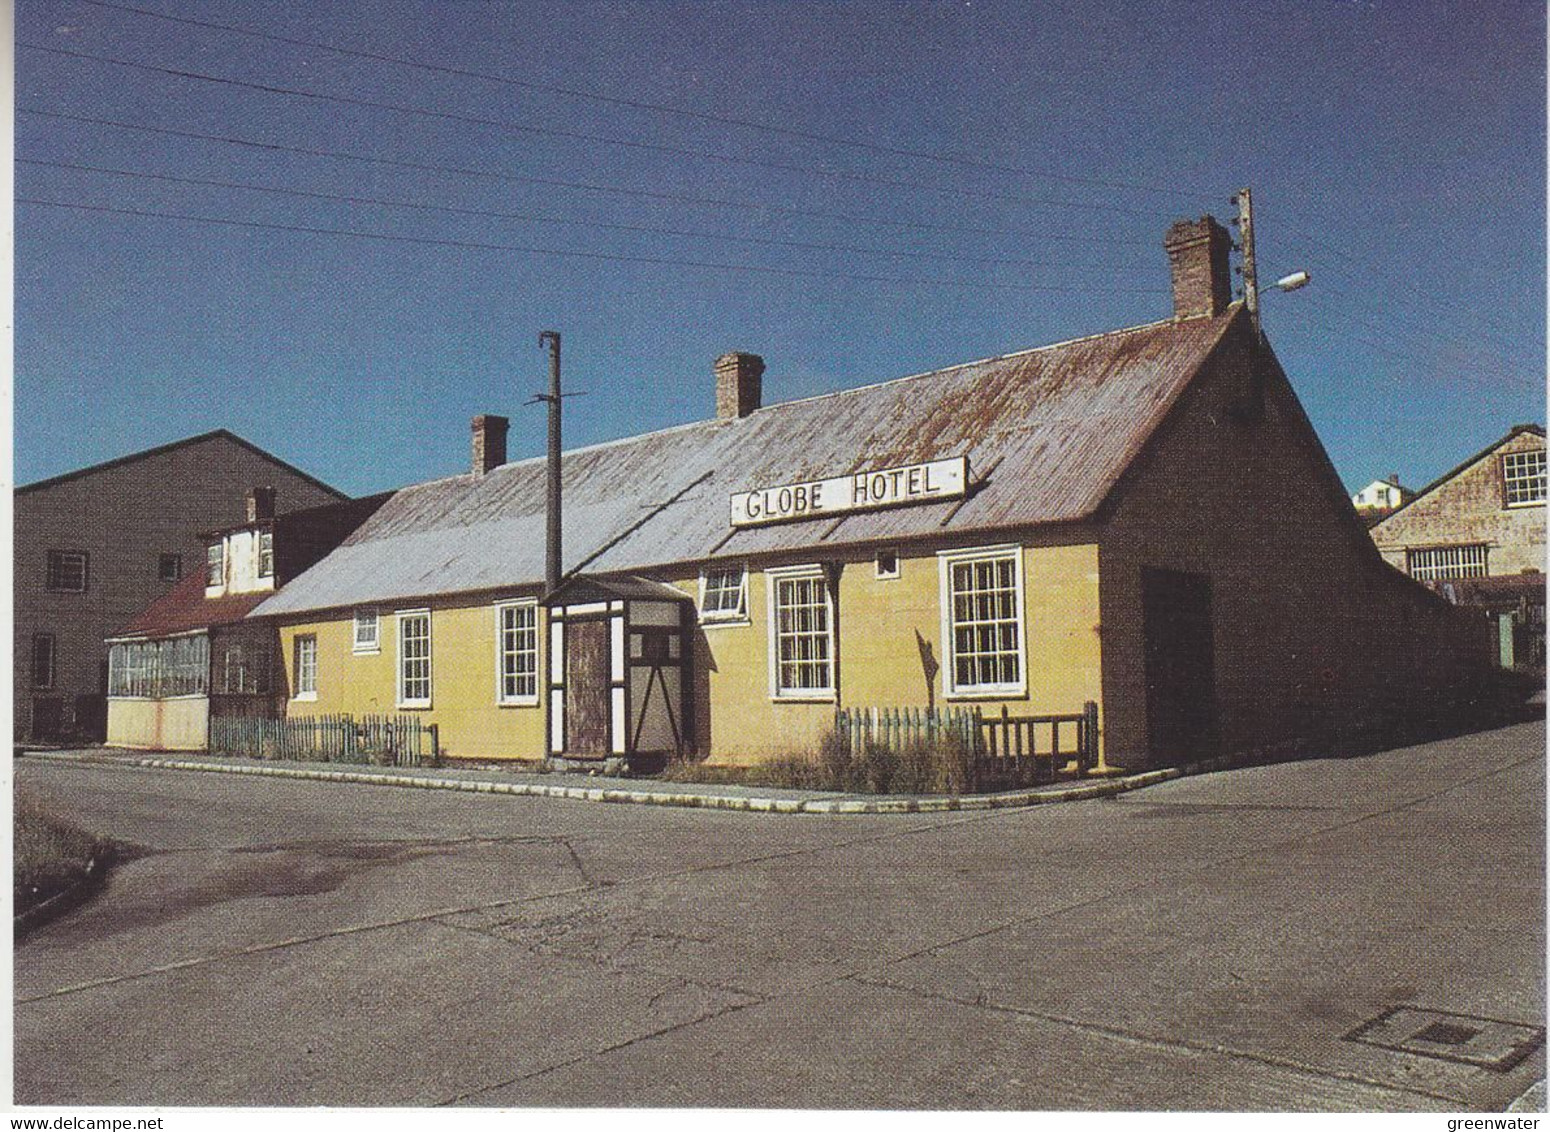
367, 632
887, 564
724, 594
169, 568
68, 571
1523, 476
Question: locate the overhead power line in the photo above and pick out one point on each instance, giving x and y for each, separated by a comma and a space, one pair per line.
951, 190
584, 186
612, 257
660, 108
539, 218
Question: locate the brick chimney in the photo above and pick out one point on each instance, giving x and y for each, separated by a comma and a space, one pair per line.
1202, 277
489, 442
738, 384
260, 504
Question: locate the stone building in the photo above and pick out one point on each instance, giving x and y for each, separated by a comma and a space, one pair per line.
1483, 519
1477, 536
95, 546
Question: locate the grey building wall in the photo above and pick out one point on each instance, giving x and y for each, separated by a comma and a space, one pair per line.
124, 515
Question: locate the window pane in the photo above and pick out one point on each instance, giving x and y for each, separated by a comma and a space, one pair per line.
986, 636
802, 644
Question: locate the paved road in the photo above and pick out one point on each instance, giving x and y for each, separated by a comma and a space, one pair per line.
1207, 943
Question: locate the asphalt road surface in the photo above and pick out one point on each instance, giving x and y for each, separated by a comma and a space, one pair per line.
1210, 943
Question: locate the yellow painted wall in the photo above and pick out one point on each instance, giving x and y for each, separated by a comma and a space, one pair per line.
890, 639
159, 725
463, 706
890, 636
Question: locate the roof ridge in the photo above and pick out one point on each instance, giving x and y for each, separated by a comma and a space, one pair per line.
162, 449
715, 421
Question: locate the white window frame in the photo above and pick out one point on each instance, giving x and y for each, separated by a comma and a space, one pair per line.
502, 654
946, 560
266, 554
305, 665
59, 556
215, 561
400, 618
1509, 479
366, 648
773, 578
1448, 563
738, 616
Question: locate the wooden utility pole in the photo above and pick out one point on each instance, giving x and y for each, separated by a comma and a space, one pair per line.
551, 338
1245, 201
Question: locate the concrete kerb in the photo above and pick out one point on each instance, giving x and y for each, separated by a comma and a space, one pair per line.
710, 800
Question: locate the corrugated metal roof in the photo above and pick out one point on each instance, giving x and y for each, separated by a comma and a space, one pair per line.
1054, 427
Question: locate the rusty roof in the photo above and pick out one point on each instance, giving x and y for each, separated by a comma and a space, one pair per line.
185, 609
1049, 431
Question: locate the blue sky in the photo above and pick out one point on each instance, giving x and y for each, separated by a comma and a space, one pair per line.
1396, 150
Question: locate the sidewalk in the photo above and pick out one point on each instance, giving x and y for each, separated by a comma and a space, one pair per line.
601, 788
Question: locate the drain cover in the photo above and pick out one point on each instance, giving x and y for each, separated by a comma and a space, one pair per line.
1489, 1043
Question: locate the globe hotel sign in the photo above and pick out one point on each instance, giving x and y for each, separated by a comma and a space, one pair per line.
862, 491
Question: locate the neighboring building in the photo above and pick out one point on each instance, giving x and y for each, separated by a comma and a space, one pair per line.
1484, 519
1142, 519
1380, 497
94, 547
1477, 536
190, 655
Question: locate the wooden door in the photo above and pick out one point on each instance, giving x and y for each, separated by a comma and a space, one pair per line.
588, 689
1180, 665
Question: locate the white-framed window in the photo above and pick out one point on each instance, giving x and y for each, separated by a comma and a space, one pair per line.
516, 652
43, 660
887, 564
724, 593
266, 554
1523, 474
306, 683
982, 621
1439, 563
414, 658
368, 638
215, 564
801, 634
68, 571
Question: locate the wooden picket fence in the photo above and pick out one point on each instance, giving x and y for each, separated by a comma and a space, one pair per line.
384, 740
897, 727
1007, 748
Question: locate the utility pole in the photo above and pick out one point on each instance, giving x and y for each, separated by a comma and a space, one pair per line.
551, 338
1245, 201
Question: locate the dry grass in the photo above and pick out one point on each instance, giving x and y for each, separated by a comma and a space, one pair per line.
51, 854
940, 767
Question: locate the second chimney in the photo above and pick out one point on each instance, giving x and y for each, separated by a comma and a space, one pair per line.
738, 384
489, 442
1202, 277
260, 504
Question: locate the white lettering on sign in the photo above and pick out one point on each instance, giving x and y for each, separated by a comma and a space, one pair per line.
863, 491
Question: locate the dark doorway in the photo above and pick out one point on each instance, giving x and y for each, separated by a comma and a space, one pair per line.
48, 717
588, 689
1180, 668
